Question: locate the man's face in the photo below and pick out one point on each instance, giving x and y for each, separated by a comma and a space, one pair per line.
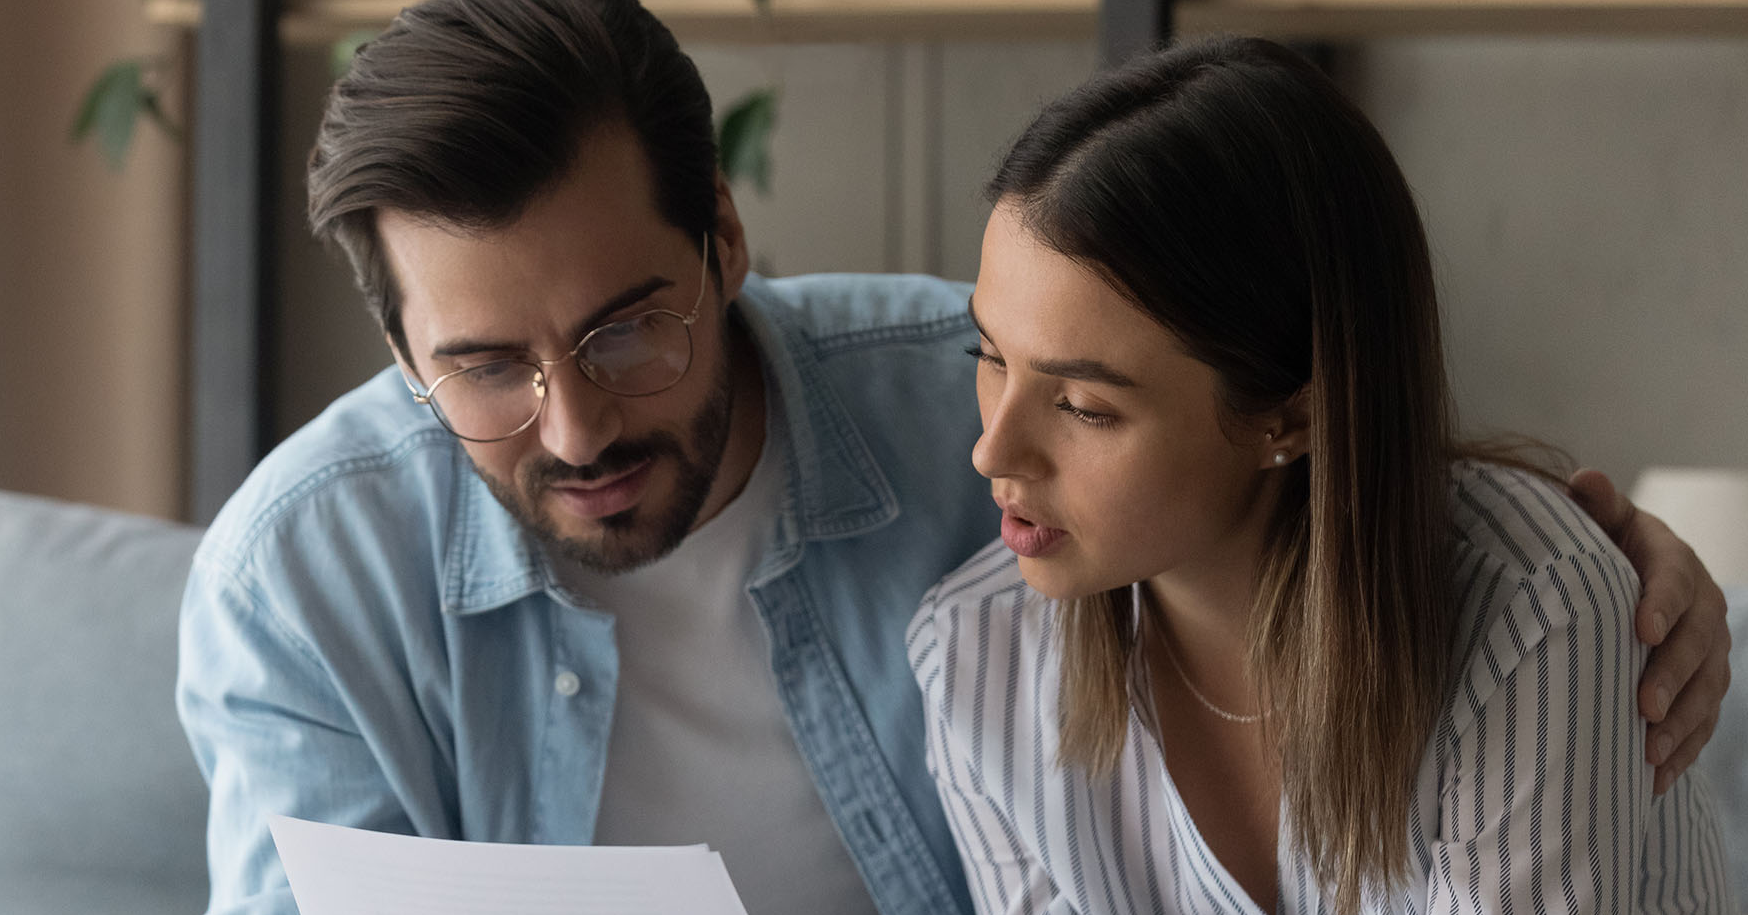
613, 481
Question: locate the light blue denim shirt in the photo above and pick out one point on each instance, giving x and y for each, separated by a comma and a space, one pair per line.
369, 639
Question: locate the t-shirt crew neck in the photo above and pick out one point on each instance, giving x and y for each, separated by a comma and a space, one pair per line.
700, 749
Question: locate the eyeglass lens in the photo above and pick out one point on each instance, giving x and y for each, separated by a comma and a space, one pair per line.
637, 356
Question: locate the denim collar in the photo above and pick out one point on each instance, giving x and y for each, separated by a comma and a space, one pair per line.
834, 486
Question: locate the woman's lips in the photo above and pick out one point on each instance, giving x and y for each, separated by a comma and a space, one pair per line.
599, 498
1028, 539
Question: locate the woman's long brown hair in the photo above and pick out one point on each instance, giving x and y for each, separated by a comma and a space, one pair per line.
1232, 193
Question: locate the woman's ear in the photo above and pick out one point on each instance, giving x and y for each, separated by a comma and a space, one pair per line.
1286, 432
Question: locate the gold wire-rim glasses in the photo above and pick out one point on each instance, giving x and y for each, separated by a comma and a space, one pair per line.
575, 356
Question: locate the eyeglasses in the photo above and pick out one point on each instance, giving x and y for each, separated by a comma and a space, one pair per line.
639, 356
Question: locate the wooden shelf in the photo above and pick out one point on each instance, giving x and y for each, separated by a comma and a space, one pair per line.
1382, 18
738, 21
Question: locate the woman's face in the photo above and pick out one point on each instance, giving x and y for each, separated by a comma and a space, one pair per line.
1101, 437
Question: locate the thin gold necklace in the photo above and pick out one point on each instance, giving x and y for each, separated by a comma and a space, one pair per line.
1229, 716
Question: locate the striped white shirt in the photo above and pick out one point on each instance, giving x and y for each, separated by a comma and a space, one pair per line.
1533, 797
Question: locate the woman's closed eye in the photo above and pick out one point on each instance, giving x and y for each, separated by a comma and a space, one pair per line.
1080, 414
977, 352
1090, 417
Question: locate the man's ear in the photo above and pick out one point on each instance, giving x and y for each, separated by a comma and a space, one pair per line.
1286, 432
407, 369
730, 241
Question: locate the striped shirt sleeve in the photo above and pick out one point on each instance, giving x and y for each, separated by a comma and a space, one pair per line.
1006, 877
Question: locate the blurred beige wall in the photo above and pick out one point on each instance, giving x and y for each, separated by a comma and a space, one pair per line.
91, 270
1588, 211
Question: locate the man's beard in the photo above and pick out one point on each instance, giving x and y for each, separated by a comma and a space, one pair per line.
636, 536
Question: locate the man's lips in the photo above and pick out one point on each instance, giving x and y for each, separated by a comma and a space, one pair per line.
1024, 536
604, 496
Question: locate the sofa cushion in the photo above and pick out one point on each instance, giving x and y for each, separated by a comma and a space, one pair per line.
96, 778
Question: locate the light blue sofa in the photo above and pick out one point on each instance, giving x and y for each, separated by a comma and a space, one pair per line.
101, 809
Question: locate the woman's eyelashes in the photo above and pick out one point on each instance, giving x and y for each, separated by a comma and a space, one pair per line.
1089, 417
1064, 405
976, 351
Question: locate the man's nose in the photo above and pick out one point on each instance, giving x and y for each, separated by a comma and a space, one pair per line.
580, 420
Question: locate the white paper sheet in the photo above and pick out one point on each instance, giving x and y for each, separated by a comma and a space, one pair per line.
335, 870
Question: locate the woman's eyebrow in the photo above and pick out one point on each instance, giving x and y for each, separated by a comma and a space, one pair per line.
1091, 370
1083, 370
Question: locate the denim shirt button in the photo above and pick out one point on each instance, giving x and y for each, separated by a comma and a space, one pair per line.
567, 683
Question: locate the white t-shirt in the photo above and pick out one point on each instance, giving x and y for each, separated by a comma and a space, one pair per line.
701, 750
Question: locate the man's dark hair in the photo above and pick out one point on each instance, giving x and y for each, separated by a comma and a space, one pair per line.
463, 111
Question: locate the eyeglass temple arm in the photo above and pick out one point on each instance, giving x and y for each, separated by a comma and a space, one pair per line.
703, 279
418, 398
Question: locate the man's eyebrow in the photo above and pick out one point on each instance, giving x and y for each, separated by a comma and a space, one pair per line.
467, 346
1073, 369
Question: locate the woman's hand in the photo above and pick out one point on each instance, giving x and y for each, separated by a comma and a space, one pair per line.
1681, 614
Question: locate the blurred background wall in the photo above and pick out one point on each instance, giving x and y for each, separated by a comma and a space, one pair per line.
1587, 202
91, 270
1584, 198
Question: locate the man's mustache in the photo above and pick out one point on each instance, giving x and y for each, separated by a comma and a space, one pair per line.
617, 458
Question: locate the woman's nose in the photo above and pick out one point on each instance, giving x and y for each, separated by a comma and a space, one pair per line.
1005, 448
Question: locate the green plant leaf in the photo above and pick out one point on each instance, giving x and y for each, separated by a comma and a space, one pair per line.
101, 88
114, 104
743, 142
340, 55
155, 110
111, 105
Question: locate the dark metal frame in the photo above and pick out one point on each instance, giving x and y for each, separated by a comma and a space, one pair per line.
236, 120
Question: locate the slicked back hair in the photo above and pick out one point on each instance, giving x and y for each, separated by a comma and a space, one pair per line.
464, 111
